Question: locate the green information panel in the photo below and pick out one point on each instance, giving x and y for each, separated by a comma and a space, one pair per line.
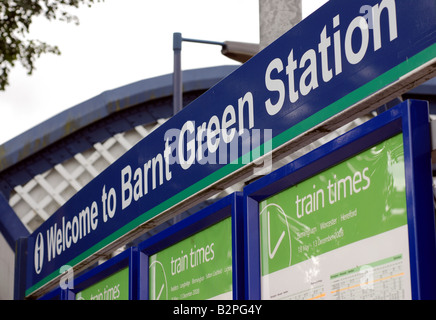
198, 267
114, 287
342, 234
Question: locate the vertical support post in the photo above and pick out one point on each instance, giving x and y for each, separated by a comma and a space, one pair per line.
143, 282
252, 273
20, 269
177, 75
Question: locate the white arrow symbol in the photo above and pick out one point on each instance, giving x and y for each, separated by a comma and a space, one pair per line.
160, 292
273, 253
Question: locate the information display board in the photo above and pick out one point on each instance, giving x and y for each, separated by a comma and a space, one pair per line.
114, 287
350, 220
355, 206
196, 259
111, 280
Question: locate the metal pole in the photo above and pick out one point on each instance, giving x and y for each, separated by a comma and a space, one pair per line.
177, 75
204, 41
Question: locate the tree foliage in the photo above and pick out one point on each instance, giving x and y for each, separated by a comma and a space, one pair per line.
15, 19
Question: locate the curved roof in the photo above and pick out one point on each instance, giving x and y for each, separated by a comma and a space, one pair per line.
102, 106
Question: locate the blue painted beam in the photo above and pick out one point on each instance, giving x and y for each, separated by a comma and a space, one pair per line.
11, 226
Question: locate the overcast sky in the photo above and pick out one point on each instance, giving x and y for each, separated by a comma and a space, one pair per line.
119, 42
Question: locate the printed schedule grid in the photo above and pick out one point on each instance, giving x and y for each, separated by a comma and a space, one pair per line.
315, 293
381, 280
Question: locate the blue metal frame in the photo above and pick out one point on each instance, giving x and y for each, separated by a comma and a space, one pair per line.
412, 119
230, 206
125, 259
56, 294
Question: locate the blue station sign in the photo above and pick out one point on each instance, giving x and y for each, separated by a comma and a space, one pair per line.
341, 54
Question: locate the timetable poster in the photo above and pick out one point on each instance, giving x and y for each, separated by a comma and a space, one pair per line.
341, 234
113, 287
196, 268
